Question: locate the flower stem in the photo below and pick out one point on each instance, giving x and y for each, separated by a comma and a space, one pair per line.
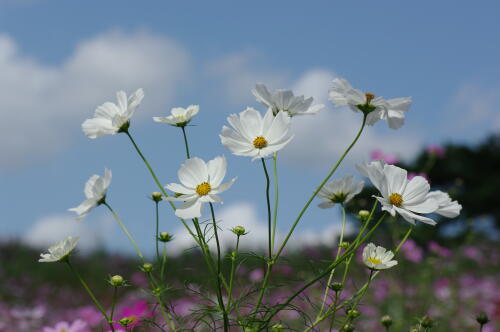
321, 186
185, 141
113, 303
276, 199
92, 296
157, 234
233, 269
163, 262
219, 286
125, 230
268, 201
325, 296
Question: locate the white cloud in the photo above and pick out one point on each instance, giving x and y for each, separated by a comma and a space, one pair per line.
238, 73
42, 105
246, 214
474, 110
320, 139
52, 229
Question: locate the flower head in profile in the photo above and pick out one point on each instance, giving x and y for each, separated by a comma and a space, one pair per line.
59, 251
375, 108
200, 183
179, 117
77, 326
378, 258
255, 136
406, 197
446, 207
111, 118
339, 191
285, 101
95, 192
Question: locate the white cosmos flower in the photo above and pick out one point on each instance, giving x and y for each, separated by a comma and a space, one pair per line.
392, 110
378, 258
447, 207
60, 250
285, 101
179, 116
95, 192
254, 136
400, 195
339, 191
111, 118
200, 183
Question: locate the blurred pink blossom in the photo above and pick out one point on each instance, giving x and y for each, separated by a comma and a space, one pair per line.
411, 175
256, 275
439, 250
77, 326
138, 311
412, 251
90, 315
473, 253
437, 150
378, 154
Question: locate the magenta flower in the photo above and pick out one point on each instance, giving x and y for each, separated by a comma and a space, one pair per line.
256, 275
138, 311
411, 175
412, 251
77, 326
380, 155
439, 250
436, 150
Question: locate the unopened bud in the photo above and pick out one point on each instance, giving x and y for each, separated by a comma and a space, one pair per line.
156, 196
239, 230
117, 280
482, 318
336, 286
344, 245
165, 237
126, 321
147, 267
427, 322
386, 321
348, 327
353, 313
363, 215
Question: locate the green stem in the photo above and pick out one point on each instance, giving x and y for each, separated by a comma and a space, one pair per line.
156, 180
268, 201
276, 199
92, 296
341, 239
165, 314
164, 261
346, 254
233, 269
125, 230
321, 186
113, 303
219, 286
185, 141
157, 234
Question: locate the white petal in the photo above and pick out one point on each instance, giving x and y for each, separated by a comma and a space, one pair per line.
189, 210
416, 191
396, 179
193, 172
251, 121
262, 94
97, 127
279, 128
223, 187
217, 170
179, 188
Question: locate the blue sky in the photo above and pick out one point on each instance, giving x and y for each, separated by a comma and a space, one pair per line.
59, 60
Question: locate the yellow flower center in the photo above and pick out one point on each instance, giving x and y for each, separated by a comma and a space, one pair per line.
259, 142
369, 97
396, 199
63, 330
374, 260
203, 188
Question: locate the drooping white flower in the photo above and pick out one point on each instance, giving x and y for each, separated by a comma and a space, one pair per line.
285, 101
95, 192
254, 136
400, 195
59, 251
179, 116
339, 191
378, 258
377, 108
111, 118
447, 207
200, 183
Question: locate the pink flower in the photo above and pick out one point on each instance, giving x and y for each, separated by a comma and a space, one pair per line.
90, 315
137, 312
412, 251
439, 250
473, 253
411, 175
436, 150
380, 155
77, 326
256, 275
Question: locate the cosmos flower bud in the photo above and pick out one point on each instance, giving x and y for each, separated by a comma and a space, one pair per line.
386, 321
344, 245
348, 327
117, 280
336, 286
239, 230
147, 267
126, 321
363, 215
353, 313
165, 237
482, 318
156, 196
277, 328
426, 322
